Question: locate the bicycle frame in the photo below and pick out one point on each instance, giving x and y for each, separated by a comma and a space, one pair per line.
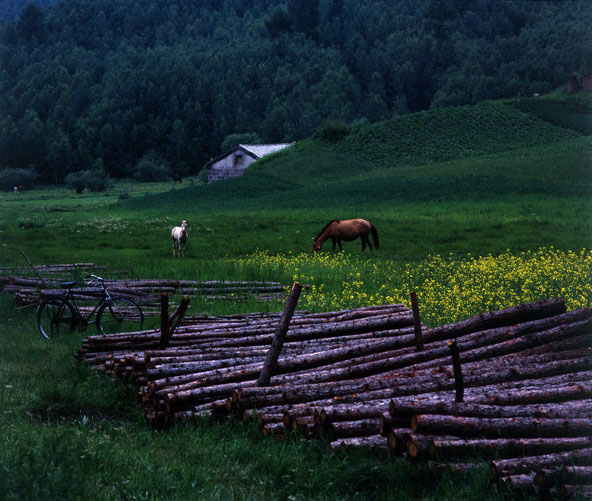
63, 309
69, 297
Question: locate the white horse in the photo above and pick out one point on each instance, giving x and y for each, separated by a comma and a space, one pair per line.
179, 237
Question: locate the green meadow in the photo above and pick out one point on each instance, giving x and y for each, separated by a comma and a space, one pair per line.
502, 189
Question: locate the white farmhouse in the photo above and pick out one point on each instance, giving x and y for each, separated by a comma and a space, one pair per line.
233, 163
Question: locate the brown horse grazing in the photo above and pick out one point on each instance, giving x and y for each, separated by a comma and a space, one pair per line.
347, 230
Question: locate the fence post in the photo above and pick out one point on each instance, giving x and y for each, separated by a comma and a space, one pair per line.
458, 377
177, 317
279, 336
416, 322
164, 318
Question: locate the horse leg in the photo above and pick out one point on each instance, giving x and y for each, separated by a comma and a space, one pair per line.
368, 242
339, 243
333, 241
173, 247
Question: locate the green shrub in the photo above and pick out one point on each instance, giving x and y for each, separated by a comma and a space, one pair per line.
332, 130
203, 175
151, 168
92, 180
76, 180
232, 141
10, 178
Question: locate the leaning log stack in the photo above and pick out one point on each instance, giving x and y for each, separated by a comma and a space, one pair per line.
30, 290
358, 378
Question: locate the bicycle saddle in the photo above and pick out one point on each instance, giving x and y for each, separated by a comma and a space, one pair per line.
68, 285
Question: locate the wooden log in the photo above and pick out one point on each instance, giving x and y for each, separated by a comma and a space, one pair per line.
270, 364
576, 474
367, 442
349, 412
458, 377
162, 371
276, 430
545, 478
518, 427
418, 445
195, 394
387, 422
308, 333
264, 418
416, 322
457, 468
569, 491
177, 317
501, 318
576, 408
356, 428
537, 395
503, 467
179, 399
521, 482
32, 267
303, 393
247, 372
303, 424
493, 341
369, 309
397, 439
505, 447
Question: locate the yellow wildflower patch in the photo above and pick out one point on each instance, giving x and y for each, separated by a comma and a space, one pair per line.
449, 288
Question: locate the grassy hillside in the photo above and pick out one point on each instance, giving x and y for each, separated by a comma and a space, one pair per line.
417, 139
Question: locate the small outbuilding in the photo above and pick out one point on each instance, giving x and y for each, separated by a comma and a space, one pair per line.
576, 84
234, 163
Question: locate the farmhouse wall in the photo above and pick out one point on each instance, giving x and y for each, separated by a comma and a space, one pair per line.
232, 165
573, 84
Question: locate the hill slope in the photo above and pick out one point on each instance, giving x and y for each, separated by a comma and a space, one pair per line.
489, 150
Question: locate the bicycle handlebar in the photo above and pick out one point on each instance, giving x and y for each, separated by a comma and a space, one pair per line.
95, 278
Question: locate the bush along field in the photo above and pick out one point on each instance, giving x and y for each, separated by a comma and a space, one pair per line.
477, 208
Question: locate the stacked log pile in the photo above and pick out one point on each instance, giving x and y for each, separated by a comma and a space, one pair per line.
30, 290
228, 352
359, 378
51, 269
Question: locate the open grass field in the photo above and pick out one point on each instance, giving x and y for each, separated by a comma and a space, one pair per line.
472, 214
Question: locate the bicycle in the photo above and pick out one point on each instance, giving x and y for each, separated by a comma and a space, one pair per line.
113, 314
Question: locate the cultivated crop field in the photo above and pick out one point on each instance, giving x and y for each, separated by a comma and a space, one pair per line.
471, 232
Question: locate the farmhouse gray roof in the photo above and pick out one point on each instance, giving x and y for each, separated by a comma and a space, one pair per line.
260, 150
255, 150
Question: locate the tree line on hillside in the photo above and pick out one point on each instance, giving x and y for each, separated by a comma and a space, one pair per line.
151, 88
11, 9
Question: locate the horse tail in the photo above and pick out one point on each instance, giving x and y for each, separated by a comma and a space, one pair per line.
374, 235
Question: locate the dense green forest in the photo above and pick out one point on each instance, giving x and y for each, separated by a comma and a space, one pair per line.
11, 9
134, 87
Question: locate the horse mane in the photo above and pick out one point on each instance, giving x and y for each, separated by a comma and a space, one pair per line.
326, 226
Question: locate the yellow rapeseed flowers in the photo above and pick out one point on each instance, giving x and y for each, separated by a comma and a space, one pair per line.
449, 288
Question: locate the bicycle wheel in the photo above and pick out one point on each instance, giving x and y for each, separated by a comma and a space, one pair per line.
119, 315
55, 316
